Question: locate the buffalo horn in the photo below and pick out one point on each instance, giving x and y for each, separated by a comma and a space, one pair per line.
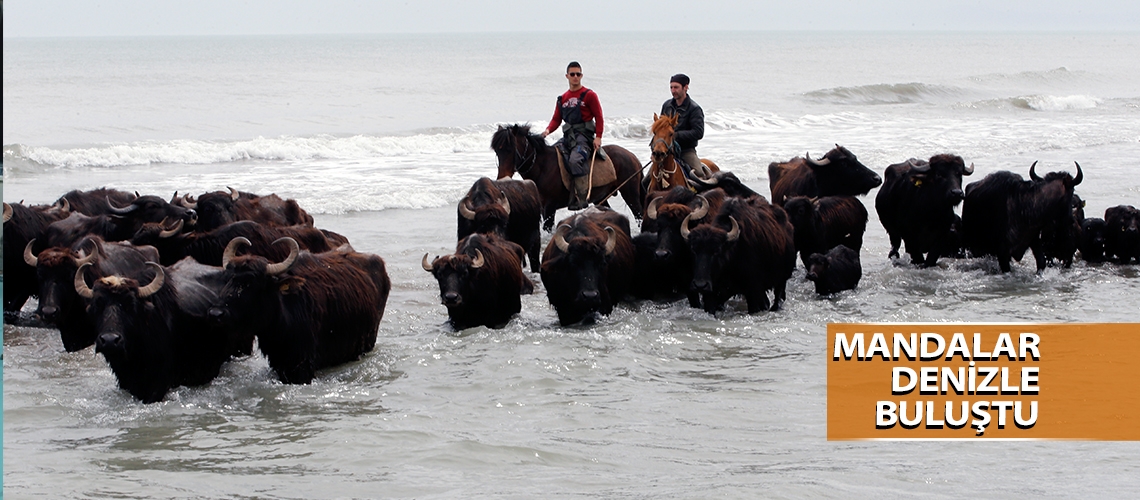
166, 233
156, 284
685, 227
7, 212
231, 249
818, 163
84, 259
611, 240
280, 267
477, 261
234, 194
921, 168
734, 233
464, 210
189, 202
425, 264
968, 170
81, 284
120, 211
560, 239
701, 211
1080, 175
29, 257
62, 206
505, 203
1033, 174
651, 210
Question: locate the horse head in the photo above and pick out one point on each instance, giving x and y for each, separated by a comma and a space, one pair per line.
662, 136
516, 148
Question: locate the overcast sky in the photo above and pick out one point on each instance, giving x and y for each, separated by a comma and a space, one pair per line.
38, 18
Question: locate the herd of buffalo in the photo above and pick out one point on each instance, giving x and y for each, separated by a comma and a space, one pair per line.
168, 291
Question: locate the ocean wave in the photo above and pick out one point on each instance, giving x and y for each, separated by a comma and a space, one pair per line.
883, 93
1037, 103
1050, 76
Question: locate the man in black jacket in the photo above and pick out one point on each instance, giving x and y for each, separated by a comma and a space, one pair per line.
690, 125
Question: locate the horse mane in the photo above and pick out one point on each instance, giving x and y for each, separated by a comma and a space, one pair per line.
662, 122
504, 137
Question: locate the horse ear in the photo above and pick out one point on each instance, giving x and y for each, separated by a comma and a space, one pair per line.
655, 116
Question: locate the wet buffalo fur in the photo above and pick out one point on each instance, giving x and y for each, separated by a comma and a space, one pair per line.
94, 202
835, 271
487, 295
1060, 241
520, 225
825, 222
918, 207
761, 258
668, 265
1122, 233
207, 247
323, 311
842, 175
585, 278
728, 182
1003, 214
519, 150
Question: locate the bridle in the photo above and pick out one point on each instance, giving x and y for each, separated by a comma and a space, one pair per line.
521, 159
658, 172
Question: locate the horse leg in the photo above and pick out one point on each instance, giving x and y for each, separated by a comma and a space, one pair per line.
548, 217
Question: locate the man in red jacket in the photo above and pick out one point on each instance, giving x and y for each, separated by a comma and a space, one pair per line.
580, 112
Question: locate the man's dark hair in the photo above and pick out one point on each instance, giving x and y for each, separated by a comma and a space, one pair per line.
573, 64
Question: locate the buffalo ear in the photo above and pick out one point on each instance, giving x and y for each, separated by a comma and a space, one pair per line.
290, 285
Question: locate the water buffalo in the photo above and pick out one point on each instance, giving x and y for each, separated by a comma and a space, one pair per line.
838, 173
207, 247
509, 208
748, 248
309, 311
1094, 235
481, 282
916, 205
1003, 214
219, 208
1122, 233
825, 222
835, 271
588, 264
22, 225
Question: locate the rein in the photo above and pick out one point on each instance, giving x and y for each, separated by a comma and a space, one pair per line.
623, 183
517, 157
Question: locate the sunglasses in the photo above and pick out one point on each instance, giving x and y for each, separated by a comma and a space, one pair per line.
575, 74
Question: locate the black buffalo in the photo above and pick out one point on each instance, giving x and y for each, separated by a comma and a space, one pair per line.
150, 344
588, 264
1094, 236
96, 201
219, 208
1060, 241
1004, 214
481, 282
823, 223
1122, 233
916, 205
838, 173
835, 271
727, 182
309, 311
748, 248
23, 225
509, 208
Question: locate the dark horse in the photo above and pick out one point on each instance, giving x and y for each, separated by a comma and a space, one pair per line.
529, 155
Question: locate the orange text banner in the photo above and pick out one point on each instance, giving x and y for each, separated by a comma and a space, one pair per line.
983, 381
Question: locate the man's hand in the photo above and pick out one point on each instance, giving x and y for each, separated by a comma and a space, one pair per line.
544, 134
597, 142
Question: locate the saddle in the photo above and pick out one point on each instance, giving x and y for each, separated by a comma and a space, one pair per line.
603, 173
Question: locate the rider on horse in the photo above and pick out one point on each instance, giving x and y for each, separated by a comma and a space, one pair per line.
581, 112
690, 126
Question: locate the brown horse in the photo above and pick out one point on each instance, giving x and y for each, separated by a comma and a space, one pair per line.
666, 172
528, 154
